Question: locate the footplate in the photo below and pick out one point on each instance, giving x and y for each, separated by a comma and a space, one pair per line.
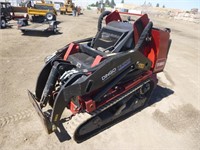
45, 120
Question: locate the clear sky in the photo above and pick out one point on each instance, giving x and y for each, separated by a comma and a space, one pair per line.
180, 4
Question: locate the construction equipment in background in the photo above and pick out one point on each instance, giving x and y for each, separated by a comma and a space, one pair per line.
6, 16
67, 7
103, 79
19, 12
9, 12
42, 11
43, 14
43, 18
45, 26
57, 5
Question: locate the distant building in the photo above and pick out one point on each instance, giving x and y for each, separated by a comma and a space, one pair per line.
194, 10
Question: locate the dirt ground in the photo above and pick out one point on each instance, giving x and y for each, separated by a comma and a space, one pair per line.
171, 122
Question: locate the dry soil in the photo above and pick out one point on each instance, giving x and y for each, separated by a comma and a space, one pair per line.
171, 122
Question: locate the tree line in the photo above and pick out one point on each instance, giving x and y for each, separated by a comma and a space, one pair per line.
107, 3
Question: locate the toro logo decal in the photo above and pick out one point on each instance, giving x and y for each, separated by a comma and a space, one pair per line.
160, 64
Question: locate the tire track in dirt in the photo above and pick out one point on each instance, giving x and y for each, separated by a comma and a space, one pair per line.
5, 120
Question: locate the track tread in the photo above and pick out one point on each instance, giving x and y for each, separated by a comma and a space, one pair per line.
74, 123
80, 118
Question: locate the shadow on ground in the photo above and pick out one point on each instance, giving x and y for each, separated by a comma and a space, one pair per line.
159, 93
40, 33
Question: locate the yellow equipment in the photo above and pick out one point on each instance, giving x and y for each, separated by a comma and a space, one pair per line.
67, 7
43, 9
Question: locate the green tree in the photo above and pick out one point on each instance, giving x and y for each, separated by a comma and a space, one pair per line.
112, 4
122, 1
157, 5
97, 4
163, 6
107, 2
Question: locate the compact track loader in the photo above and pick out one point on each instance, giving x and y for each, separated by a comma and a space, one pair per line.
99, 81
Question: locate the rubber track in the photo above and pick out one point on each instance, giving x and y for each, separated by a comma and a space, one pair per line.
4, 120
75, 122
80, 118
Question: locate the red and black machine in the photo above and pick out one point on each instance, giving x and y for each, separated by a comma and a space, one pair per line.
102, 79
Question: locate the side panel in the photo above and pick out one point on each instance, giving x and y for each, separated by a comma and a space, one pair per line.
159, 50
114, 16
139, 26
